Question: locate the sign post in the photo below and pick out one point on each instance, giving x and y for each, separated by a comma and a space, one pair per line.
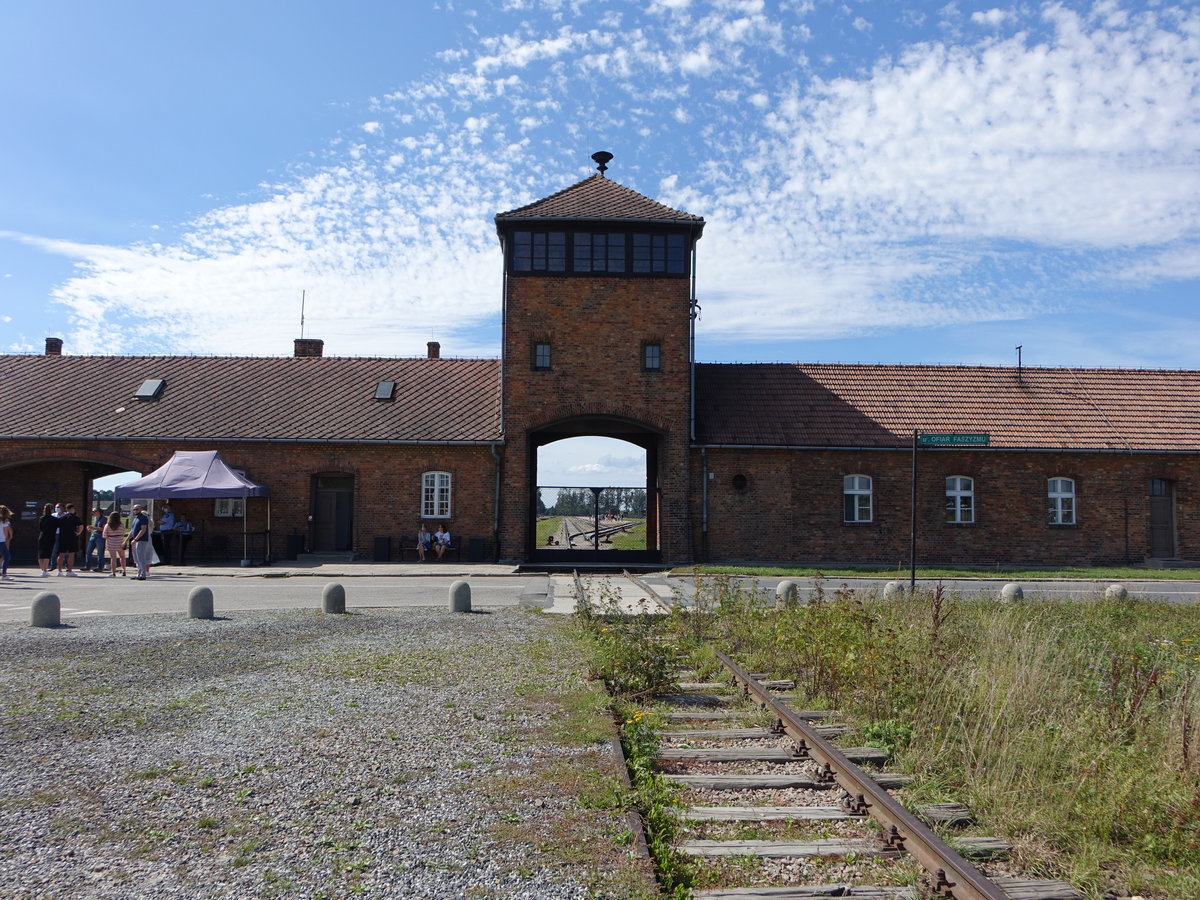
951, 439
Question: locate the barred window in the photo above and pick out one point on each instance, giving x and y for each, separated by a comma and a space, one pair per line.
856, 494
435, 495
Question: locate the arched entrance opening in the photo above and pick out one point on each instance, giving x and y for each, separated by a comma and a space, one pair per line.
26, 487
595, 493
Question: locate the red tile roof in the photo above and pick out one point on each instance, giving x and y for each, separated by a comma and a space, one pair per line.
214, 398
753, 404
598, 198
838, 405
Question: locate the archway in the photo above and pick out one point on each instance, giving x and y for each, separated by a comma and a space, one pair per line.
66, 477
594, 496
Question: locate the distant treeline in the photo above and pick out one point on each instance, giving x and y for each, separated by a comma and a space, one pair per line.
624, 503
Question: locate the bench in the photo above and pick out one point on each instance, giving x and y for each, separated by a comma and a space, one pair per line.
408, 550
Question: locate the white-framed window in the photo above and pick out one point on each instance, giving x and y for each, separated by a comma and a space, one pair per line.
960, 499
856, 494
1061, 494
228, 507
435, 495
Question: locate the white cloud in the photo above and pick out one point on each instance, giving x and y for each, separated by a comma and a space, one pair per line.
991, 17
946, 183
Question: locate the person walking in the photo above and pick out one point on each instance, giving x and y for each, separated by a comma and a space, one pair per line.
93, 557
5, 541
47, 538
139, 542
114, 541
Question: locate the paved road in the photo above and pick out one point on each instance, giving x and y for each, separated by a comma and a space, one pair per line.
492, 587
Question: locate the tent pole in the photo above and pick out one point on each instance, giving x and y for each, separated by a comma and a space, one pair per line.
245, 538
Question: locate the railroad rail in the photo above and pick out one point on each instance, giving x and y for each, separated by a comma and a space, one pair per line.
590, 532
951, 876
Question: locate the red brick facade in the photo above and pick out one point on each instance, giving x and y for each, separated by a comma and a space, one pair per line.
386, 487
791, 507
745, 462
596, 384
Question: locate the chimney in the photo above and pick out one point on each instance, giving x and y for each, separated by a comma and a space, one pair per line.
54, 346
309, 347
435, 350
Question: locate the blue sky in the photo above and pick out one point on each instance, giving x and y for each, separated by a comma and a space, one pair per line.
882, 181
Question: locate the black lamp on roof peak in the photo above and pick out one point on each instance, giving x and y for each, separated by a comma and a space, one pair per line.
602, 158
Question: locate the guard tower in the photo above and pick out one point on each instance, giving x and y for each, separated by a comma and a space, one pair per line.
598, 338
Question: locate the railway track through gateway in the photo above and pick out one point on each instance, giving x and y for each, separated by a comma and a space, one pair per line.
864, 800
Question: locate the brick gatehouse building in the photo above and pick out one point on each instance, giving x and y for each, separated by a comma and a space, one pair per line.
800, 463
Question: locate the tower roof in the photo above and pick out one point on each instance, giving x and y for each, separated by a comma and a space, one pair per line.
597, 197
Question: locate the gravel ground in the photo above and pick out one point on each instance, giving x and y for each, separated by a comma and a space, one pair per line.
279, 754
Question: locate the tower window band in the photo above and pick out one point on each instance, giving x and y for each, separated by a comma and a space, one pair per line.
599, 252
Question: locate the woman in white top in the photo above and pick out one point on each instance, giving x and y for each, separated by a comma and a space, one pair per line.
441, 541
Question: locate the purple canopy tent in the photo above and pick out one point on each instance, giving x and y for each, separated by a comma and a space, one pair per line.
199, 474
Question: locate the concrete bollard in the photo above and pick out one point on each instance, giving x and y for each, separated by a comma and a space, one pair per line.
46, 611
786, 594
334, 598
1011, 593
200, 603
894, 590
460, 597
1116, 592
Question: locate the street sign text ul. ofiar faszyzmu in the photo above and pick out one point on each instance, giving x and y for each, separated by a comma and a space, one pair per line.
952, 440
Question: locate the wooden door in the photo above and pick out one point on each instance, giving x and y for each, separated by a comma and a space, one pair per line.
333, 513
1162, 518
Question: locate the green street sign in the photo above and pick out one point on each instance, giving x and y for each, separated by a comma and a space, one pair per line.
952, 440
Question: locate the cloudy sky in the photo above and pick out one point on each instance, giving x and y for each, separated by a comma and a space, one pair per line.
883, 181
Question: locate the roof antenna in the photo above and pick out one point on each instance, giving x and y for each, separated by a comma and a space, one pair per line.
302, 293
1019, 346
602, 158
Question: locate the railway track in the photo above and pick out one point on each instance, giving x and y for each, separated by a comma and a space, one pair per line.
581, 531
798, 746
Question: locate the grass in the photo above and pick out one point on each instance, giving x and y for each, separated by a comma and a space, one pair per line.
927, 573
1071, 729
546, 528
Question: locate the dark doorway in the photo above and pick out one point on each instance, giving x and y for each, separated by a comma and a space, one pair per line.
333, 513
1162, 518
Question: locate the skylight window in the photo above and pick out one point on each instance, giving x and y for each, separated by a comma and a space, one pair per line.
386, 390
150, 389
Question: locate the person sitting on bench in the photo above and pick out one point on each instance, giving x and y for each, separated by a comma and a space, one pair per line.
441, 541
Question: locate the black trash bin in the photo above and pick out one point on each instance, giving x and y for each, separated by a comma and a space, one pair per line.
383, 549
295, 546
476, 549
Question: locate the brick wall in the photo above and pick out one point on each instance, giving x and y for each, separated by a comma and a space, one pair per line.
791, 510
387, 484
597, 328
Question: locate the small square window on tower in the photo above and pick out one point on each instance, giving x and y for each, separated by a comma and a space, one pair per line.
651, 357
541, 357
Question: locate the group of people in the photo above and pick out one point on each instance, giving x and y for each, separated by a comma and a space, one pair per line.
438, 542
61, 533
